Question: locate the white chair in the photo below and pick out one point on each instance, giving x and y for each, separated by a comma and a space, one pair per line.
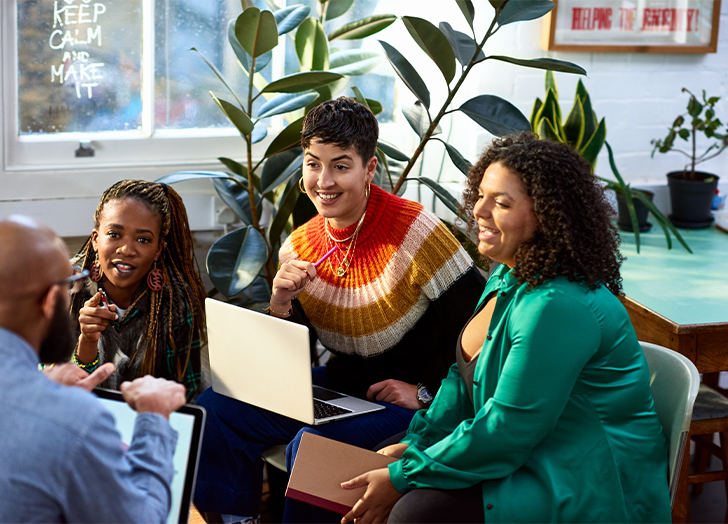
674, 383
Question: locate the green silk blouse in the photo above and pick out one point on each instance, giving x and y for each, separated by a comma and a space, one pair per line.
562, 426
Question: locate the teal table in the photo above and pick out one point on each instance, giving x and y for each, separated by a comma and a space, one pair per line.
680, 301
677, 299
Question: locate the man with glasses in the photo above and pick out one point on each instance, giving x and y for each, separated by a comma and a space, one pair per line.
61, 457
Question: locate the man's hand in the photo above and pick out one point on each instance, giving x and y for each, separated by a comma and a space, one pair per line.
395, 392
69, 374
394, 450
155, 395
377, 502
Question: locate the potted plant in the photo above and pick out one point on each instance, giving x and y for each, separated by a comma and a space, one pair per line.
587, 134
691, 191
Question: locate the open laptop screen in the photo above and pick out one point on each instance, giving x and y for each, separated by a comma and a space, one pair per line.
188, 421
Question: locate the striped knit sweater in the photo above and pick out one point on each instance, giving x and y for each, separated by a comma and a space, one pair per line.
399, 308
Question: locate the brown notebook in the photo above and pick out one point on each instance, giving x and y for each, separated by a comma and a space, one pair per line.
322, 465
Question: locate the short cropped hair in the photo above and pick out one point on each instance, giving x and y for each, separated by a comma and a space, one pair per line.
345, 123
575, 237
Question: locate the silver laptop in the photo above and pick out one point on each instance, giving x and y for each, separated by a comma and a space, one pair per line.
266, 361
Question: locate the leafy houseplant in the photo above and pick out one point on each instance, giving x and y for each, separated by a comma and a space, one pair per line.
236, 261
587, 134
691, 191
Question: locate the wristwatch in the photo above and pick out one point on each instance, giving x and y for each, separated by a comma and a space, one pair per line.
423, 395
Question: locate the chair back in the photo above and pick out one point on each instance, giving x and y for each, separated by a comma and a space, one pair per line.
674, 383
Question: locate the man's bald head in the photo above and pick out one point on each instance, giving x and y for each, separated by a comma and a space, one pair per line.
32, 259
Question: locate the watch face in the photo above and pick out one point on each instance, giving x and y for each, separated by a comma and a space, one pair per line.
424, 395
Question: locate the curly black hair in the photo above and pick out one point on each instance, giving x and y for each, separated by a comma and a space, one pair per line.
575, 237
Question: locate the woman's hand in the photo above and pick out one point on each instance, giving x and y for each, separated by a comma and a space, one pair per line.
394, 450
395, 392
378, 500
290, 280
93, 320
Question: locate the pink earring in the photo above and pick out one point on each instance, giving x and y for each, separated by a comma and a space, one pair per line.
156, 279
96, 273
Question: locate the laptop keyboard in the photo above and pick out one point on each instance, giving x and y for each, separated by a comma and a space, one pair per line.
322, 410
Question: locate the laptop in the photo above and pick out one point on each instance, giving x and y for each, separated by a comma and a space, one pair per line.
189, 422
266, 361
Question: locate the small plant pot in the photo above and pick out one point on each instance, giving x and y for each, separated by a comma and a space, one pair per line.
624, 221
691, 199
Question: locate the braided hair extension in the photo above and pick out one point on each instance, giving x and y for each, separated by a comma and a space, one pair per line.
575, 237
177, 262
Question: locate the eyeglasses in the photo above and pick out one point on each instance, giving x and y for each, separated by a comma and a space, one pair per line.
75, 282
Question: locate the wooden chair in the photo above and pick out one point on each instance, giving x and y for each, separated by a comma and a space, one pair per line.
710, 416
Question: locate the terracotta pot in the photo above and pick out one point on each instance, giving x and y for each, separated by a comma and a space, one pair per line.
624, 221
691, 199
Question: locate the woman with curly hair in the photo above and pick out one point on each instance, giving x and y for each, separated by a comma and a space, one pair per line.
143, 307
547, 414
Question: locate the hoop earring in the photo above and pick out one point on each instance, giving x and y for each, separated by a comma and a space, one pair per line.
367, 190
96, 273
155, 278
300, 185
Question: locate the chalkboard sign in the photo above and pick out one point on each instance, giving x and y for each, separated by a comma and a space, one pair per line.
79, 65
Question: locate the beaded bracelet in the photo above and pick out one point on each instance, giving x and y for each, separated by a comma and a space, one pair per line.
279, 315
88, 367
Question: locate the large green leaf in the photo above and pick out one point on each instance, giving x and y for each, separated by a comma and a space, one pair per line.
260, 131
549, 64
458, 159
285, 209
574, 125
286, 103
256, 31
236, 259
522, 10
236, 115
181, 176
337, 8
362, 28
497, 116
217, 73
286, 139
537, 105
591, 149
590, 118
242, 55
236, 197
407, 73
354, 62
273, 179
391, 151
375, 106
466, 7
298, 82
443, 195
359, 97
418, 118
550, 83
550, 109
433, 43
462, 45
289, 18
312, 47
241, 171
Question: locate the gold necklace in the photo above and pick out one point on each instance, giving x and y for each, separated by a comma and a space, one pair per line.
356, 231
345, 261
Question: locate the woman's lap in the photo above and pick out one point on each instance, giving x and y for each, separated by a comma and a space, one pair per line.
230, 473
439, 505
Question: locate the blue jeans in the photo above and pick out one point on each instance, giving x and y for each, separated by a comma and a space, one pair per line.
230, 476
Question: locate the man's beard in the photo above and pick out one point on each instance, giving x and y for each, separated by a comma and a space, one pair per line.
59, 343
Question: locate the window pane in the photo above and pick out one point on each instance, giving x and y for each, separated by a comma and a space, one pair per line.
79, 65
182, 79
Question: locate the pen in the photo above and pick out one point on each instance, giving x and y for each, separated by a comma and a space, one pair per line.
327, 255
104, 301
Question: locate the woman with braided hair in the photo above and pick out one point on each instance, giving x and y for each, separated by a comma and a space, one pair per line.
142, 308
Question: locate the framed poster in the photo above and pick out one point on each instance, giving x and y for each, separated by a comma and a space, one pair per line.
632, 26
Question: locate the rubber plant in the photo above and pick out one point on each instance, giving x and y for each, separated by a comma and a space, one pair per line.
246, 258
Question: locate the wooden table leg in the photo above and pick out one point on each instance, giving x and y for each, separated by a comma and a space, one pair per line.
681, 506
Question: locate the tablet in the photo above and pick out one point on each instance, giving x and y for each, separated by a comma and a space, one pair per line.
189, 422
